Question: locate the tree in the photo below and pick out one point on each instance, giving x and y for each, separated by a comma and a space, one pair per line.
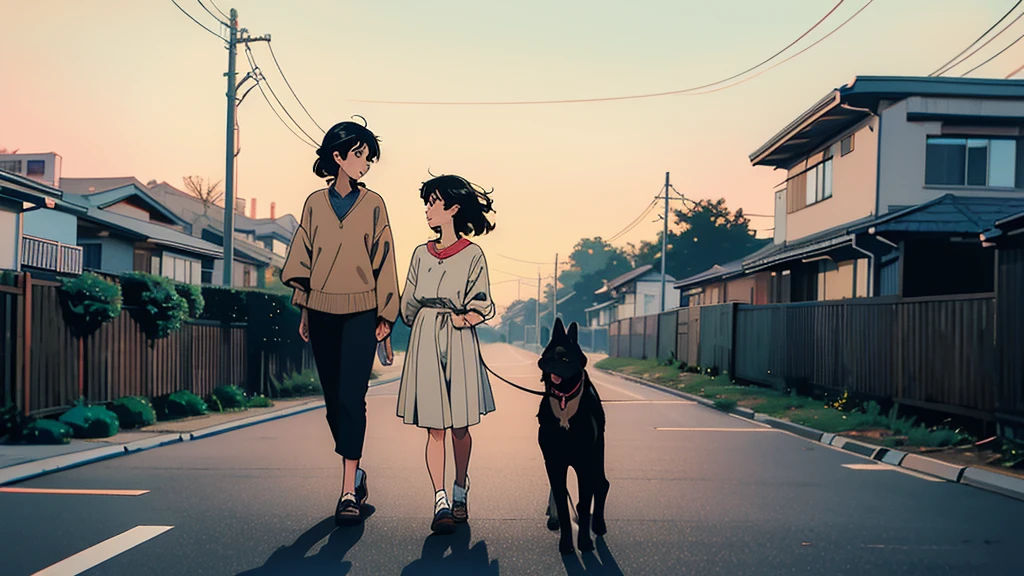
6, 151
208, 193
706, 234
593, 261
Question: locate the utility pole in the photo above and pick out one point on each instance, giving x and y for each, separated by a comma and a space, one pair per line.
664, 244
554, 294
236, 36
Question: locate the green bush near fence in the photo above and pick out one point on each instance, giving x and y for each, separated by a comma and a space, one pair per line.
134, 411
180, 404
87, 302
260, 401
230, 397
91, 421
193, 296
296, 384
46, 432
224, 305
154, 303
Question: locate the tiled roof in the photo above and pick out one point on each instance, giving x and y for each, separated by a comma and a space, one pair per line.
949, 214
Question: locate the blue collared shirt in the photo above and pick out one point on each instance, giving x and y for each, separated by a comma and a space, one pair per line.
343, 204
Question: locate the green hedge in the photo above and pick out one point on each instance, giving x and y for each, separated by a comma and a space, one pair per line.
91, 421
230, 397
180, 404
305, 383
260, 401
154, 303
224, 305
134, 411
87, 302
46, 432
193, 296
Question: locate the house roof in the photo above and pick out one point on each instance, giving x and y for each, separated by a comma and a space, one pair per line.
105, 192
844, 107
625, 278
192, 209
808, 246
22, 189
723, 271
1010, 225
948, 214
601, 306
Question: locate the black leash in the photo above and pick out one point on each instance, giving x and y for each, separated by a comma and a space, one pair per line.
479, 351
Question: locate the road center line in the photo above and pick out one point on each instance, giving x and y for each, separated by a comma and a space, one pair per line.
717, 429
103, 551
74, 491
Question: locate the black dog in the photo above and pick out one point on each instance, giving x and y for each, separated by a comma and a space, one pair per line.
572, 434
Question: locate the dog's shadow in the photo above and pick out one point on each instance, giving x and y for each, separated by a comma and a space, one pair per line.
330, 559
600, 563
462, 560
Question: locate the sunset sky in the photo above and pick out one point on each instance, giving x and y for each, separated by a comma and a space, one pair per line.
135, 88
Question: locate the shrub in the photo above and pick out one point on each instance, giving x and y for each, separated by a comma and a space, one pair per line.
213, 404
230, 396
305, 383
193, 296
180, 404
91, 421
224, 305
725, 404
260, 401
87, 302
934, 438
12, 422
46, 432
684, 367
134, 411
154, 303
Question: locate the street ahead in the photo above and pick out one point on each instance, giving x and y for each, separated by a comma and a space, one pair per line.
693, 491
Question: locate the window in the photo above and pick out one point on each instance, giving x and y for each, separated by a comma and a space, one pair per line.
36, 167
207, 271
179, 269
92, 256
11, 166
846, 146
971, 162
819, 182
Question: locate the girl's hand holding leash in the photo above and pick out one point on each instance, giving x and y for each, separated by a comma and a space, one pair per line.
304, 326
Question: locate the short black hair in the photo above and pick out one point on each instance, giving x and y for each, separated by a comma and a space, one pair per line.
474, 203
342, 138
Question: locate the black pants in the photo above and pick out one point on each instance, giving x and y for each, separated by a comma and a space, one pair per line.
343, 348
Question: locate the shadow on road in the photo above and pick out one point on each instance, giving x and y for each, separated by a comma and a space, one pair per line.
601, 563
462, 560
330, 559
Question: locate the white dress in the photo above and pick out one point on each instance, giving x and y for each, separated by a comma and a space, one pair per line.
444, 384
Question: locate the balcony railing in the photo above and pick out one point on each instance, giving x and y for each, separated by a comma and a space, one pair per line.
50, 255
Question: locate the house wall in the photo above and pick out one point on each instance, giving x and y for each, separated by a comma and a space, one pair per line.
627, 308
853, 186
649, 297
902, 175
117, 256
126, 209
779, 234
52, 225
51, 170
9, 235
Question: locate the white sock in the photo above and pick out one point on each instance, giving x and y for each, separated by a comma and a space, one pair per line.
360, 476
440, 500
459, 492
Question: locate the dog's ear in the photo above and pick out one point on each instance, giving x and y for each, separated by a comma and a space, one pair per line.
558, 332
573, 333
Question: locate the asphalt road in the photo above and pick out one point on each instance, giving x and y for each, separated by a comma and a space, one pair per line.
712, 494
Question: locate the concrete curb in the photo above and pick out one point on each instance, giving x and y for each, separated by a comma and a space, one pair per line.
977, 477
46, 466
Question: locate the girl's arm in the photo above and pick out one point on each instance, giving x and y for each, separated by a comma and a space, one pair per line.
298, 263
410, 305
479, 306
382, 257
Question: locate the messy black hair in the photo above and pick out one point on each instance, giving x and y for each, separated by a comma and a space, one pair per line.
474, 203
342, 138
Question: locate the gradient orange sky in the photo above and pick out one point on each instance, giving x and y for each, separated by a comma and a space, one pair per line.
129, 88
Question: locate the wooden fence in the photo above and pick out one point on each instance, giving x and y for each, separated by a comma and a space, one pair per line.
937, 353
118, 360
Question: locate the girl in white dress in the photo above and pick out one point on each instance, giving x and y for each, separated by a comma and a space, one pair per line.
447, 294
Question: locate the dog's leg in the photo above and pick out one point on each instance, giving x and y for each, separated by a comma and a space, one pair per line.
556, 477
601, 486
552, 512
585, 477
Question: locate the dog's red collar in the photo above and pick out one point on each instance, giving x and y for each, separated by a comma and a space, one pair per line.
562, 397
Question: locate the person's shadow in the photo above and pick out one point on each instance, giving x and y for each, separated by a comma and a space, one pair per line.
462, 560
601, 563
330, 559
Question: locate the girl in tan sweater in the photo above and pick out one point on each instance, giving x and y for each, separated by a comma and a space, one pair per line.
341, 265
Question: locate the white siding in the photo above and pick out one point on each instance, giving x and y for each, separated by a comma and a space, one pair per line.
8, 239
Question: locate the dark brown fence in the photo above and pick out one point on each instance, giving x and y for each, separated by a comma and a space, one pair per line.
1009, 398
118, 360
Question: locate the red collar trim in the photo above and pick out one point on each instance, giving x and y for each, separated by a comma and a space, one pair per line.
460, 245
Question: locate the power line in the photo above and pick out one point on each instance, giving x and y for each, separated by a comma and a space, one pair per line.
252, 59
214, 4
634, 223
612, 98
259, 84
527, 261
272, 55
945, 67
200, 24
994, 56
215, 17
989, 41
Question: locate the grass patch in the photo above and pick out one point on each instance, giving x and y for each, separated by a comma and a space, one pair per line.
835, 416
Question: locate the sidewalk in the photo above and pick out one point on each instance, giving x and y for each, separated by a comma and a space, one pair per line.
16, 459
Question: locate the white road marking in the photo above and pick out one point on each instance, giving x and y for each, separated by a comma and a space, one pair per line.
883, 466
103, 551
604, 383
717, 429
73, 491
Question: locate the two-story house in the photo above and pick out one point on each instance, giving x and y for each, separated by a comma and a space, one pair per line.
635, 293
21, 199
889, 183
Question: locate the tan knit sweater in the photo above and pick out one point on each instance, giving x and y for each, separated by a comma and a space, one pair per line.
347, 266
